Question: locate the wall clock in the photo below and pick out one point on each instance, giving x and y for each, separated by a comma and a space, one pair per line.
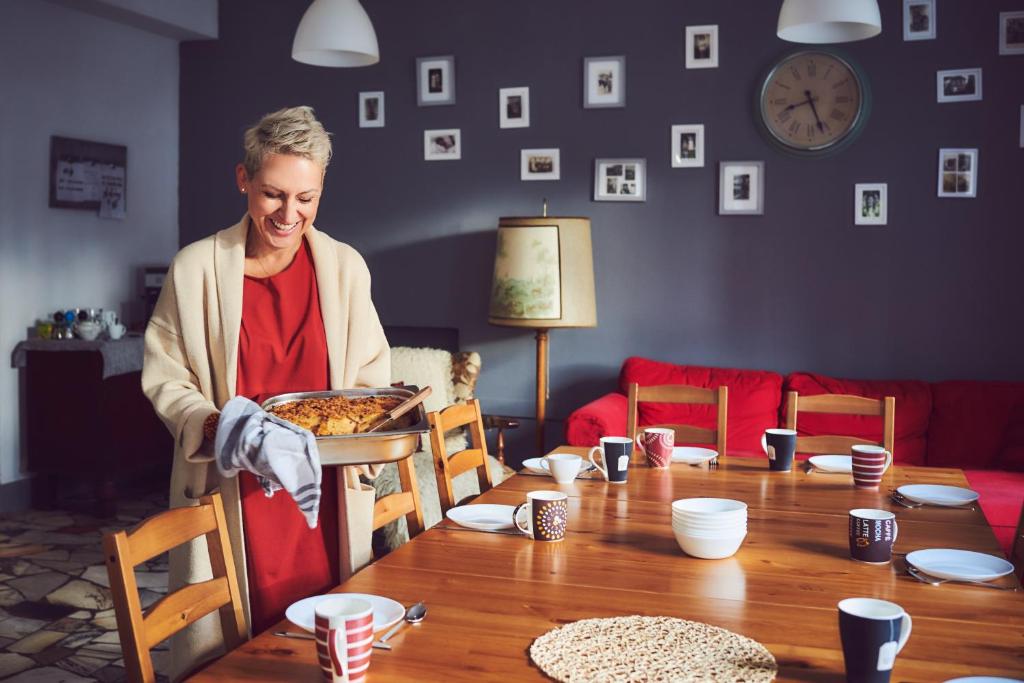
813, 103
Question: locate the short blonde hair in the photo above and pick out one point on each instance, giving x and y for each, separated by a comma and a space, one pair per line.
294, 130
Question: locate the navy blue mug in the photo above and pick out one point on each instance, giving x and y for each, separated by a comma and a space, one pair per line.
780, 447
615, 453
873, 632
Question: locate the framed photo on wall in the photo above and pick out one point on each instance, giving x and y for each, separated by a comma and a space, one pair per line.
514, 108
741, 188
540, 164
371, 109
604, 82
1011, 33
88, 175
688, 145
702, 47
620, 180
958, 85
958, 173
870, 204
442, 145
435, 81
919, 19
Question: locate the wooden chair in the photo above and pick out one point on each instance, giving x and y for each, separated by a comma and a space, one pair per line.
405, 502
681, 393
125, 550
447, 467
844, 404
1017, 549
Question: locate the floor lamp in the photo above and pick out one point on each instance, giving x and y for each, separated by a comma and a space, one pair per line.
543, 279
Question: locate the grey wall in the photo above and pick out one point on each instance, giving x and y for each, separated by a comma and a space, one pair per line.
932, 295
66, 73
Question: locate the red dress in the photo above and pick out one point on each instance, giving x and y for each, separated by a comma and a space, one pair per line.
282, 348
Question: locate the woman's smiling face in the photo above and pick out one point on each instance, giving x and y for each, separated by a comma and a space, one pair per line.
283, 196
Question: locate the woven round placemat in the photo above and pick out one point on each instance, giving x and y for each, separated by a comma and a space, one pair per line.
650, 649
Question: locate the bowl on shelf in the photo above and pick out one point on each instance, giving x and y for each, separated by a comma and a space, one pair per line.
88, 330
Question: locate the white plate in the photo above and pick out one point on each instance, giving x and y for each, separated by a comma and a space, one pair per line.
482, 516
933, 494
946, 563
540, 466
984, 679
386, 612
832, 463
691, 455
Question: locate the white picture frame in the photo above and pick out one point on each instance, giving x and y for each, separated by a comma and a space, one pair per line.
701, 47
435, 81
688, 145
540, 164
442, 144
514, 108
620, 180
958, 85
371, 109
1011, 33
919, 20
871, 204
604, 82
741, 188
958, 172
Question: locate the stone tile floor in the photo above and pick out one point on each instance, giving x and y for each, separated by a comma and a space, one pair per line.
56, 617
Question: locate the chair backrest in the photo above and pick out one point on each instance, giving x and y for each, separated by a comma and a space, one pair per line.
1017, 550
843, 404
156, 535
404, 502
447, 467
681, 393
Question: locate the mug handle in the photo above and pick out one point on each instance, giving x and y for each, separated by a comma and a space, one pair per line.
515, 519
768, 450
907, 625
337, 647
888, 461
638, 444
895, 531
602, 470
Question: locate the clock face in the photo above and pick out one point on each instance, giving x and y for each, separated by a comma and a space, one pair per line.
812, 101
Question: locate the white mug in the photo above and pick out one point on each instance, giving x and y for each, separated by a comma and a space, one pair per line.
116, 331
109, 318
563, 466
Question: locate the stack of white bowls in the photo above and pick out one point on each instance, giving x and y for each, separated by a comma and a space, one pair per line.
710, 528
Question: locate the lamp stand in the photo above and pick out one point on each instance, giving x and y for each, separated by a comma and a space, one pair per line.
542, 386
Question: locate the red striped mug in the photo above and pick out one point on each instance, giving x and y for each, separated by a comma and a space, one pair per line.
344, 638
869, 464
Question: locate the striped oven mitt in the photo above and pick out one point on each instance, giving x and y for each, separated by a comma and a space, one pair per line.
281, 454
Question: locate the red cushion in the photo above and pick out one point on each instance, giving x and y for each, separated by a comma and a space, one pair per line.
913, 407
604, 417
754, 397
977, 425
1002, 494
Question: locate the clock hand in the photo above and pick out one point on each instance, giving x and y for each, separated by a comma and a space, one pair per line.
821, 126
800, 104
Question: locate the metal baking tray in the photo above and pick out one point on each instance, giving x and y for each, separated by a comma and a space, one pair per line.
365, 449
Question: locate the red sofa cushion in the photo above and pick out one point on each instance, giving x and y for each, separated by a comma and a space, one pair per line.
754, 397
913, 407
977, 424
1002, 494
605, 416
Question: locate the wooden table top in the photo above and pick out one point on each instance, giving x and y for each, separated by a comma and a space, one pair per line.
491, 595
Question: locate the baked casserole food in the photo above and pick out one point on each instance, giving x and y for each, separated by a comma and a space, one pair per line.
338, 415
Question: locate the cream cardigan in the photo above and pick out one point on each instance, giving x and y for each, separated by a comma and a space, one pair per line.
190, 368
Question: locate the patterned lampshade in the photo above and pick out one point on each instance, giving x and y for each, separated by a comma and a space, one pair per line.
543, 273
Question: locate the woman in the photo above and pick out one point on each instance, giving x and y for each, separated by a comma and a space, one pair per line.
268, 306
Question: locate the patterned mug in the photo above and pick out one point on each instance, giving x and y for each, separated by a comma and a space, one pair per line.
344, 638
657, 444
547, 515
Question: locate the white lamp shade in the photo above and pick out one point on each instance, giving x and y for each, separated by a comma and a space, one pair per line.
829, 21
335, 33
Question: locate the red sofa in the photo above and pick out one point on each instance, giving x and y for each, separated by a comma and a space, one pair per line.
975, 426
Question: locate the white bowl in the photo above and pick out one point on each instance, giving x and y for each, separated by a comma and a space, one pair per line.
727, 533
711, 523
709, 506
721, 516
709, 548
708, 526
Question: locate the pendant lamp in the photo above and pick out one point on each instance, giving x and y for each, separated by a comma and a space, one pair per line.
829, 21
336, 33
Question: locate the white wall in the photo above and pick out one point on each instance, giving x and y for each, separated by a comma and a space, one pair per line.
63, 72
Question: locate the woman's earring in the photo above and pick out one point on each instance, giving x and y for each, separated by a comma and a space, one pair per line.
243, 190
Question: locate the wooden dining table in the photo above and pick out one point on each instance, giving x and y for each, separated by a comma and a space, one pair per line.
490, 595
